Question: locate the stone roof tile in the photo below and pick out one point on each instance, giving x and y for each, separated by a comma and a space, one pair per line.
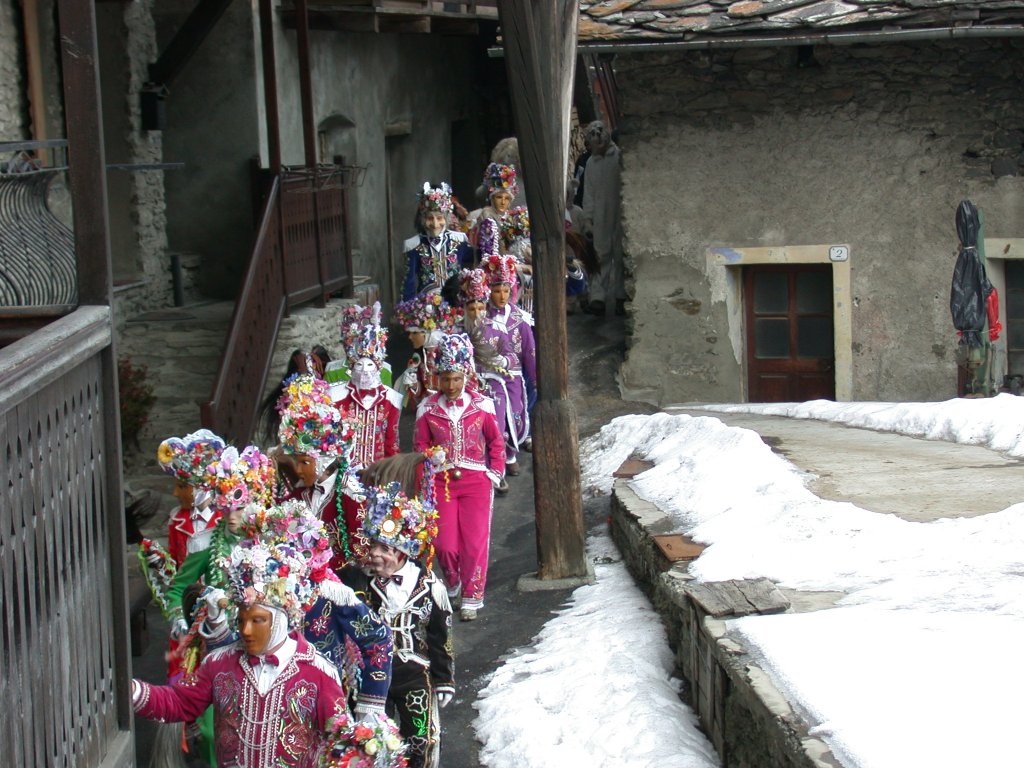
613, 20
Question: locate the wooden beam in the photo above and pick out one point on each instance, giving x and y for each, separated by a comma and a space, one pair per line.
405, 25
270, 86
187, 40
539, 37
87, 175
444, 25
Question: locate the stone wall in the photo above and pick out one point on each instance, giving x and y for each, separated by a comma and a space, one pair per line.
388, 103
871, 146
749, 722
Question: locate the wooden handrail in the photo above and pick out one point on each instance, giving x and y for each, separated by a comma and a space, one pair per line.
233, 406
300, 254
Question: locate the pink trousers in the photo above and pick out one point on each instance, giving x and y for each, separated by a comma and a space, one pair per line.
464, 532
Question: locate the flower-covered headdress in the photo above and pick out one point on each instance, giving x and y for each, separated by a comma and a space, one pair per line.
310, 423
437, 199
500, 268
370, 743
292, 522
392, 518
271, 575
238, 479
501, 178
473, 286
455, 353
362, 335
426, 312
186, 458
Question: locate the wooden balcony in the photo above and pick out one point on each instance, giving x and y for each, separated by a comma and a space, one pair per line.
397, 16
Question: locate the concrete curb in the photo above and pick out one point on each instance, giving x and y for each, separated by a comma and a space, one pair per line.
750, 722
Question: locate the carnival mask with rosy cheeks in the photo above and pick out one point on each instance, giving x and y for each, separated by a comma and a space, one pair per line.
365, 374
500, 294
501, 201
254, 626
383, 560
434, 223
452, 383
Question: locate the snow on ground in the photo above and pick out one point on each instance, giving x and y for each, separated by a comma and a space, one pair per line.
915, 666
595, 689
994, 422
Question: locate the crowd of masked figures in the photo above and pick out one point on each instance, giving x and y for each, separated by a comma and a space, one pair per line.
311, 586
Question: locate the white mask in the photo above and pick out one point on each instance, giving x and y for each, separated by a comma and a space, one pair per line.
365, 374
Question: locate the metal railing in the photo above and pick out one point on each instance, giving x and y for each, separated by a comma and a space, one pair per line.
301, 254
58, 576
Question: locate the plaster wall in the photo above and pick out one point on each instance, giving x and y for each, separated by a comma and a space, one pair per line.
397, 96
212, 127
871, 147
13, 116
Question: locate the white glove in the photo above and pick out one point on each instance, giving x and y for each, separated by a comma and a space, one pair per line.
364, 711
409, 377
214, 611
444, 698
178, 629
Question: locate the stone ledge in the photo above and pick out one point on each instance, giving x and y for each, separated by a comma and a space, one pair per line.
748, 720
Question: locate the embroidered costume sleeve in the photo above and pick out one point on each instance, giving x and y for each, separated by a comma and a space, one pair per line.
355, 640
412, 261
439, 638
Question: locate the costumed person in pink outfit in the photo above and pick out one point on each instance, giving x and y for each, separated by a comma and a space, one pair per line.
272, 693
315, 446
371, 408
425, 318
510, 331
437, 252
462, 422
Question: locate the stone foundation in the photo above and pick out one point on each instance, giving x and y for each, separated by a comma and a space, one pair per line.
747, 719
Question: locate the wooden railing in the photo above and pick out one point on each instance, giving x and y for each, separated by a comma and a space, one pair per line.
63, 633
301, 254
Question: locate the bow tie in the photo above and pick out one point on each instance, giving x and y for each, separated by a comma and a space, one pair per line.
269, 659
396, 578
321, 489
456, 403
435, 241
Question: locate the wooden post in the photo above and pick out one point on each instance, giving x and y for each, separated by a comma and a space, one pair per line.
309, 135
270, 86
88, 183
539, 37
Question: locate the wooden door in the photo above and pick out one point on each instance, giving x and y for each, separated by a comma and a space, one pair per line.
790, 341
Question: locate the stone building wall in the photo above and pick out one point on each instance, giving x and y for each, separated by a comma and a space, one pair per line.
871, 146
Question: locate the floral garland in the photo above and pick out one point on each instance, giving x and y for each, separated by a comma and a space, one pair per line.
515, 225
312, 425
371, 743
427, 312
158, 568
238, 479
292, 522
